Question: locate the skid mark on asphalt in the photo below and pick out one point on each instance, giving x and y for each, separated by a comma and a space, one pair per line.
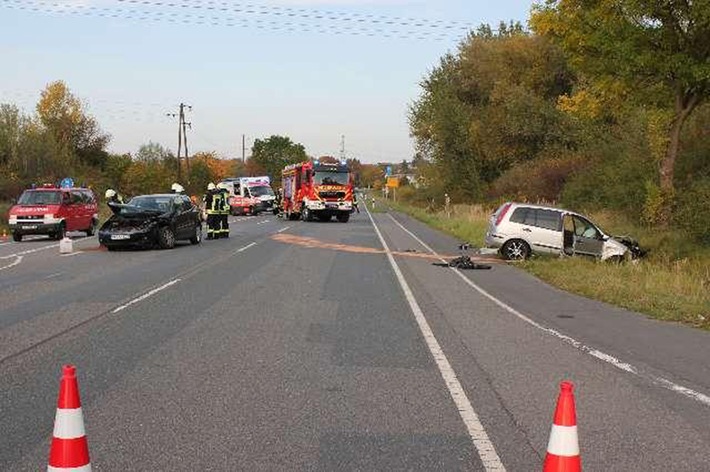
318, 244
602, 356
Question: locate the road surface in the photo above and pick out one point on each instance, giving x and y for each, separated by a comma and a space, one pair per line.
329, 346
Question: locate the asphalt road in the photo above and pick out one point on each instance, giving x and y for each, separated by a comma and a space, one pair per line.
294, 346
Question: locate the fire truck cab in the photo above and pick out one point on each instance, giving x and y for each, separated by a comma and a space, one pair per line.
317, 190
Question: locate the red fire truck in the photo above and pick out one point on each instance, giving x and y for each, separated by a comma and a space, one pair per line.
313, 189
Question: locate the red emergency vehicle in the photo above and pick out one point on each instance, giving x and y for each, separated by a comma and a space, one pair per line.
317, 190
53, 211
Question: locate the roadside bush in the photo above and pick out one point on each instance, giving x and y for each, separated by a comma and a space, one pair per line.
613, 183
693, 212
535, 181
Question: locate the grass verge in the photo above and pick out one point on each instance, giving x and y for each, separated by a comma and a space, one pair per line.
672, 283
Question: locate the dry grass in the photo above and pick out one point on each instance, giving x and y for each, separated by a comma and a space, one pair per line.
672, 283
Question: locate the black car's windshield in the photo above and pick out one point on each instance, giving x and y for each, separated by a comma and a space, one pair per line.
330, 178
40, 197
260, 190
148, 204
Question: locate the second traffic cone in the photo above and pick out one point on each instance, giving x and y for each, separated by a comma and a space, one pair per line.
563, 447
69, 450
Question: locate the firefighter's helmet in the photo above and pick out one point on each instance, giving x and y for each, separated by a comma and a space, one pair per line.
177, 188
110, 193
210, 186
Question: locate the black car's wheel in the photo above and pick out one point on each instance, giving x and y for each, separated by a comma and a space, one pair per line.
92, 229
110, 248
166, 238
61, 232
17, 237
197, 238
343, 217
515, 250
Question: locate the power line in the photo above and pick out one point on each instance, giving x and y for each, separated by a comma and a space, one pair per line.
182, 18
304, 13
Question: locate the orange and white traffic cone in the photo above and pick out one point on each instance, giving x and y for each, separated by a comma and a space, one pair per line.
69, 450
563, 447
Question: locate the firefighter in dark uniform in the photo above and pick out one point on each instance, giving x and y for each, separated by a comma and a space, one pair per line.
212, 204
224, 214
113, 197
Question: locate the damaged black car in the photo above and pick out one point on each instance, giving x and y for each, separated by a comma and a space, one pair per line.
152, 221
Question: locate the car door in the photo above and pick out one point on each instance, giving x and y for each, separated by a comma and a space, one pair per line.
69, 211
83, 217
192, 215
180, 219
588, 240
543, 229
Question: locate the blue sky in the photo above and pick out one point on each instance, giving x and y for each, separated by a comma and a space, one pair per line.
305, 69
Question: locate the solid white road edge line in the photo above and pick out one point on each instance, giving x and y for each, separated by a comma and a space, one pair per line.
17, 262
146, 295
481, 441
665, 383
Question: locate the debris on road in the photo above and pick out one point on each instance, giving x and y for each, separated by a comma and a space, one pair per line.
463, 262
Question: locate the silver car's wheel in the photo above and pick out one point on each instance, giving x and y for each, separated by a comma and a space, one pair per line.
515, 250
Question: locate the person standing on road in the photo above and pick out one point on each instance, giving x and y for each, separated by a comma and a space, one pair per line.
224, 213
113, 197
212, 203
278, 201
355, 207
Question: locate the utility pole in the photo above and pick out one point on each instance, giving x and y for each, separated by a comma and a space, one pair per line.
342, 147
244, 149
182, 139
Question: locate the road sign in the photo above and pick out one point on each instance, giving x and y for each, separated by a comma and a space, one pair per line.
392, 182
388, 171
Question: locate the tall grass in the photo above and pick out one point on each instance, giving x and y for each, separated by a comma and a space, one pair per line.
672, 283
4, 209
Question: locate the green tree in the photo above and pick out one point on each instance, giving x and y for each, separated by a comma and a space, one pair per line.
657, 50
76, 133
274, 153
115, 170
490, 107
200, 176
152, 153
